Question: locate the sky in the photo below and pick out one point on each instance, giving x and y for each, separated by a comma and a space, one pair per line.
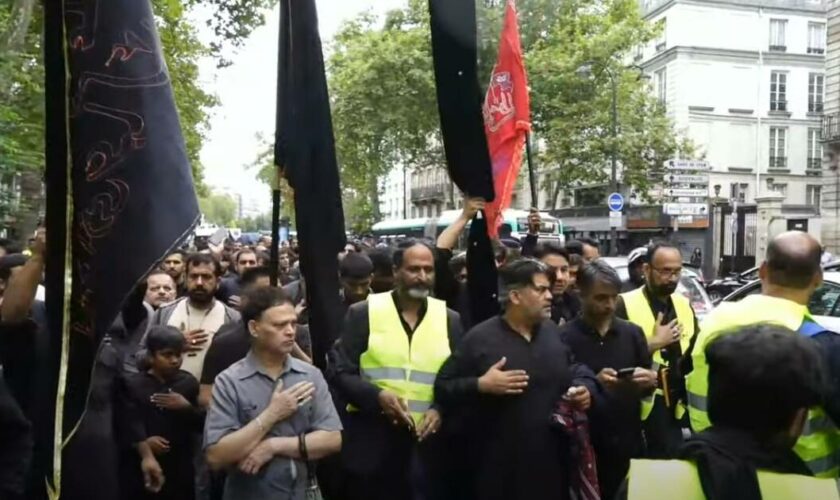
246, 91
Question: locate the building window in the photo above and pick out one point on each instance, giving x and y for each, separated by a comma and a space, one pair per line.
816, 86
661, 40
813, 196
738, 192
779, 188
640, 53
778, 91
815, 150
661, 79
778, 147
777, 35
816, 38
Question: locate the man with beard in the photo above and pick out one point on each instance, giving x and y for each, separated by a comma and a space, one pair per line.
355, 275
173, 264
669, 324
199, 315
387, 358
160, 289
565, 304
230, 289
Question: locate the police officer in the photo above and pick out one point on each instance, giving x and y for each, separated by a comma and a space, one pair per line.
668, 322
789, 276
762, 380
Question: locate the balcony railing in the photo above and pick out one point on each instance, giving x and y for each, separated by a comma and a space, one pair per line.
434, 192
778, 162
814, 164
816, 50
831, 128
778, 48
778, 105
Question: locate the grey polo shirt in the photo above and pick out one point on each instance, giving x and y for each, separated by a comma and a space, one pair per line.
240, 394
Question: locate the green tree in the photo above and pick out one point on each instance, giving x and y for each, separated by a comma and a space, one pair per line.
219, 209
385, 112
22, 76
383, 102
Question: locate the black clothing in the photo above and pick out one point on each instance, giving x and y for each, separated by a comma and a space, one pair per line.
565, 308
518, 455
231, 343
483, 282
829, 346
727, 461
15, 446
229, 287
380, 461
144, 420
663, 431
616, 424
448, 289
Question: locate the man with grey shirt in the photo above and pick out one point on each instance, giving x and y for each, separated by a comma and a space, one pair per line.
263, 404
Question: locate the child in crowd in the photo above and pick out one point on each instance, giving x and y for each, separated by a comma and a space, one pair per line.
161, 414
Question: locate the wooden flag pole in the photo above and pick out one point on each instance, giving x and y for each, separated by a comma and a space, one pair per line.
532, 178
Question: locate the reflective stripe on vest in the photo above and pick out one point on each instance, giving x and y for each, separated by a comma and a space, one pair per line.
640, 313
819, 447
666, 479
391, 362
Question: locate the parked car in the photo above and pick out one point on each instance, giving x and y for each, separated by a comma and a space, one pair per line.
824, 304
722, 287
690, 285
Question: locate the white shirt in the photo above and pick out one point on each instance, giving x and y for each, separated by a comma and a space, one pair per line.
187, 318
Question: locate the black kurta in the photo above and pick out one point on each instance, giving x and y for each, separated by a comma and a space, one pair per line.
517, 453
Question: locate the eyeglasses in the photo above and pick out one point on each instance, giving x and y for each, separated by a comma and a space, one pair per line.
668, 273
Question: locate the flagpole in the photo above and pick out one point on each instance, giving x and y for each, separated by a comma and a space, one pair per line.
531, 175
275, 230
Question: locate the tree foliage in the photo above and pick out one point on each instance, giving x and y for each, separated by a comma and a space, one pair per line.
385, 112
219, 209
22, 76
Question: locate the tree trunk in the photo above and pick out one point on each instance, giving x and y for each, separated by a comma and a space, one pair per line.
555, 194
19, 25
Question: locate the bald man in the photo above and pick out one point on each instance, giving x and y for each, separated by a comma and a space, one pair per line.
789, 276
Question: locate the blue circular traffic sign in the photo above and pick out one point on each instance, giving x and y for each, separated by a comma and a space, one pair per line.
616, 202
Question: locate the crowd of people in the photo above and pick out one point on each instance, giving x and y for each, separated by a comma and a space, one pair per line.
581, 387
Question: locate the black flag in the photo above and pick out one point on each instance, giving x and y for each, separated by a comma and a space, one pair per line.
305, 151
454, 47
120, 189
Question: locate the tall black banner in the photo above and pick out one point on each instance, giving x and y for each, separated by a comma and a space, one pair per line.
120, 194
454, 47
305, 151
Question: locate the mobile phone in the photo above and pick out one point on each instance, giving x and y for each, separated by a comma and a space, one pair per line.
626, 372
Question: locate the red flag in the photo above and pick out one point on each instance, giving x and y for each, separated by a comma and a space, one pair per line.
507, 118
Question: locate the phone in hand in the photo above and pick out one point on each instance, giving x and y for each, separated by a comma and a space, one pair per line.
626, 373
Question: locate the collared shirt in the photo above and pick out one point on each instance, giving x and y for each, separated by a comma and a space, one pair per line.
518, 453
617, 422
240, 394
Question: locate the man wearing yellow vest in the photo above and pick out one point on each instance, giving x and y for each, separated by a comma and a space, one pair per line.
789, 276
388, 356
762, 380
669, 323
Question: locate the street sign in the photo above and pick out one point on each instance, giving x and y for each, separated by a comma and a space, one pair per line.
685, 209
615, 202
685, 219
686, 165
616, 219
692, 193
687, 178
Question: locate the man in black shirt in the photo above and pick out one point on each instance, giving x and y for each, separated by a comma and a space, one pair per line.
617, 351
565, 304
381, 455
507, 378
669, 324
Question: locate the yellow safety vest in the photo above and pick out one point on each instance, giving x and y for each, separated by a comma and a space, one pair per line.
819, 444
661, 479
640, 313
408, 369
